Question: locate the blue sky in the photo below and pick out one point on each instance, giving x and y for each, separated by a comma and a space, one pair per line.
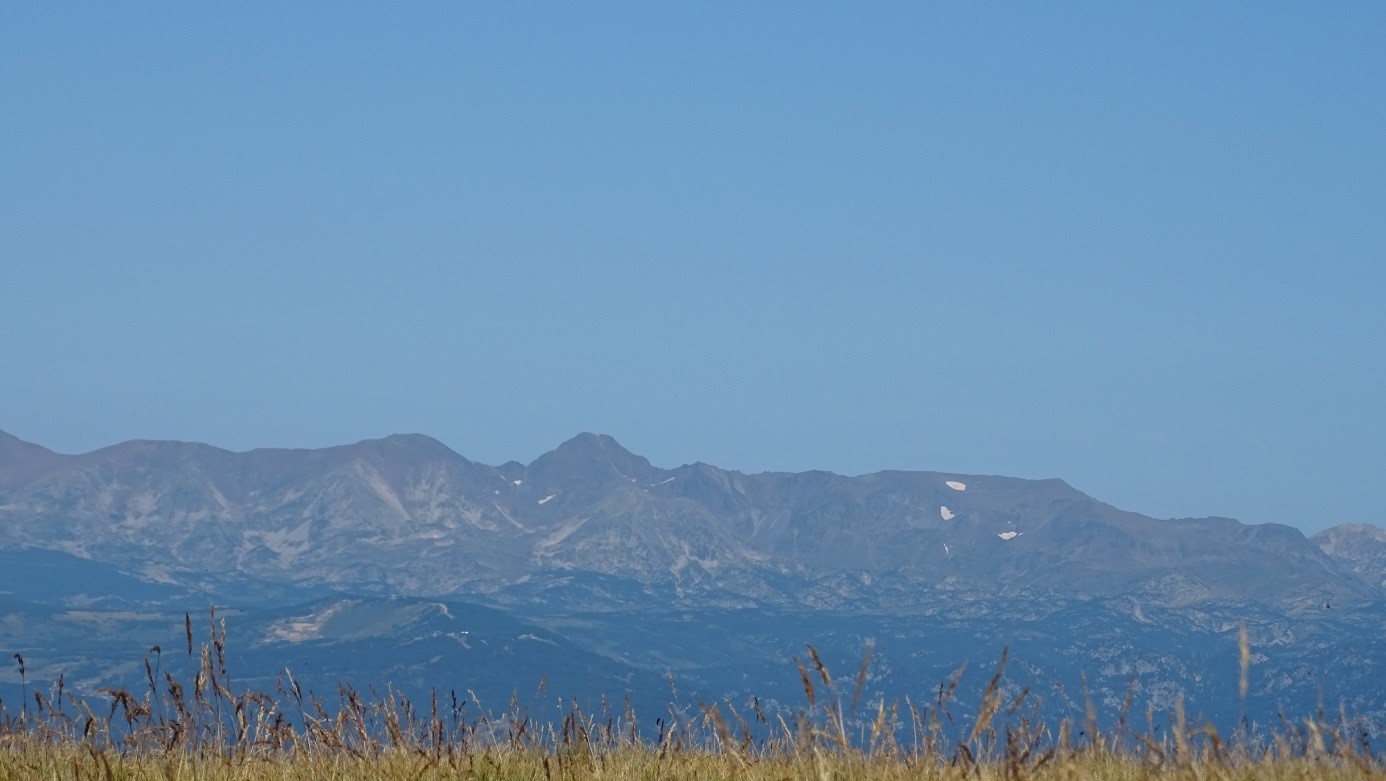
1135, 246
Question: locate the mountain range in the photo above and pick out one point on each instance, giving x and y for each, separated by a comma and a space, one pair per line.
714, 574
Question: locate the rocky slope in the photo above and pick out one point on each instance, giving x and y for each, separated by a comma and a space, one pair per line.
398, 561
406, 515
1359, 547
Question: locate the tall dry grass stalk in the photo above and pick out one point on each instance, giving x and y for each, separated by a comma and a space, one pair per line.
1243, 660
207, 728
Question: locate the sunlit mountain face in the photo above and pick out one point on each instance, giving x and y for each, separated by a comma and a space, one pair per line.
398, 562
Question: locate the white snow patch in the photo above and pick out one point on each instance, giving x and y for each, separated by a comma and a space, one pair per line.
517, 482
662, 482
956, 486
547, 499
537, 639
1008, 535
946, 513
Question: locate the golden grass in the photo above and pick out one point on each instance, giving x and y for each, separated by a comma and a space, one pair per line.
204, 729
72, 762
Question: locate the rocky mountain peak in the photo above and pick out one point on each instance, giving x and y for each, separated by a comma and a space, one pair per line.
590, 458
594, 445
1360, 547
416, 514
20, 460
409, 447
14, 449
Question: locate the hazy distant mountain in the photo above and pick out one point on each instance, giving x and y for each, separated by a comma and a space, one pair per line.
94, 625
407, 515
1358, 546
631, 572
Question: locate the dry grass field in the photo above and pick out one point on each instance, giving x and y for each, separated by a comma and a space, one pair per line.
204, 729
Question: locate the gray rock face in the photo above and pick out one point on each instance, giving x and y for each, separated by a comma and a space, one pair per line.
367, 562
407, 515
1359, 547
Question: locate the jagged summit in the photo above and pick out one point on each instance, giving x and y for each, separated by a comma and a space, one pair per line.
594, 458
598, 446
408, 511
672, 567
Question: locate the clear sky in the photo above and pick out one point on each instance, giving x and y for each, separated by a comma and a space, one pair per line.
1138, 246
